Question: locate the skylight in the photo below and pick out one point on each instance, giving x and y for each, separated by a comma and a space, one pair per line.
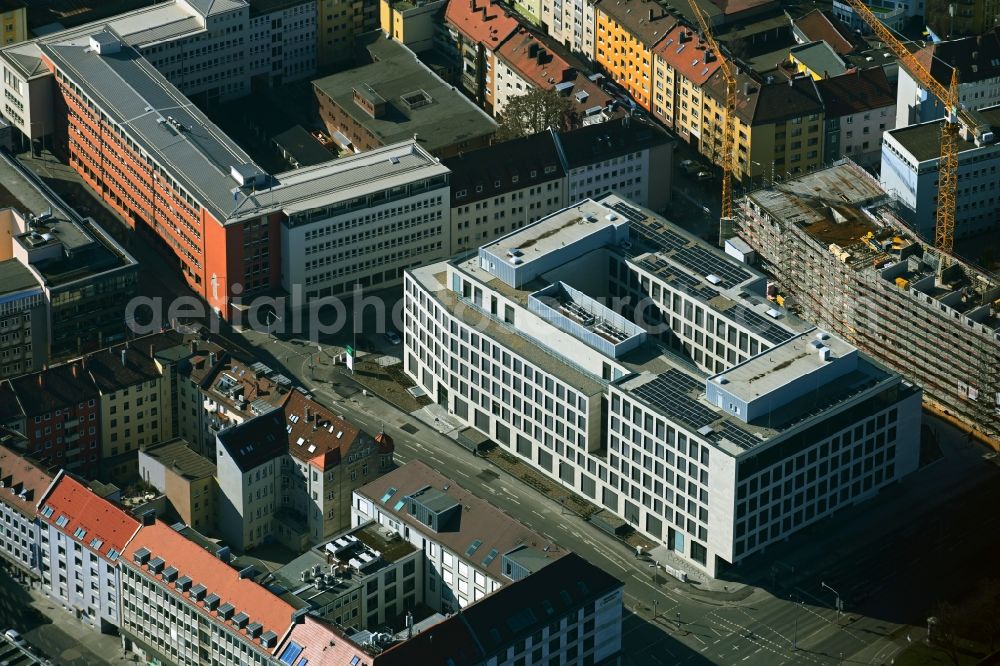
388, 493
492, 555
79, 533
62, 520
473, 548
47, 512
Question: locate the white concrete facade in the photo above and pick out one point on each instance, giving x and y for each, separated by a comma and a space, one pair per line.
571, 22
914, 182
628, 176
371, 230
915, 105
85, 583
537, 390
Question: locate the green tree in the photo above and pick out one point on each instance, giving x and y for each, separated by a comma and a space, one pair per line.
535, 112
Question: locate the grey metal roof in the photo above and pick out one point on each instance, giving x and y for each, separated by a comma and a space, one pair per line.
210, 7
137, 97
338, 180
164, 31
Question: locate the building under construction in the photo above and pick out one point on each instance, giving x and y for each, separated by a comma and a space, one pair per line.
842, 258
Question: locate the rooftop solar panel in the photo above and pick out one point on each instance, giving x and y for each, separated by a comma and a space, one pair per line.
670, 393
704, 262
769, 330
736, 435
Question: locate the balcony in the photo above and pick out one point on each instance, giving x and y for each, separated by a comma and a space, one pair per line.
71, 423
74, 451
71, 437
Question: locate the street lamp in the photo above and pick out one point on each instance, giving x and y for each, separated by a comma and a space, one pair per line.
840, 604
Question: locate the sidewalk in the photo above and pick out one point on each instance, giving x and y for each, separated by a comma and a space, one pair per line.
698, 585
79, 643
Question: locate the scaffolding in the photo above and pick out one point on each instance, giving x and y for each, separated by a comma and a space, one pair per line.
881, 289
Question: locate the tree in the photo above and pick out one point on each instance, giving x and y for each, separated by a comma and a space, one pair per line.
535, 112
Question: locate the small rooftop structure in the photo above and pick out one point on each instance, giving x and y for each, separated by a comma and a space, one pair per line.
522, 255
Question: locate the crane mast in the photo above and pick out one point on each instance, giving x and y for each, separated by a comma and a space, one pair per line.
728, 116
955, 116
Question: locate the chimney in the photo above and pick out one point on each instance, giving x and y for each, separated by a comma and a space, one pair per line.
409, 624
211, 359
650, 14
791, 83
542, 56
75, 373
533, 49
149, 518
41, 379
306, 413
194, 346
152, 351
124, 353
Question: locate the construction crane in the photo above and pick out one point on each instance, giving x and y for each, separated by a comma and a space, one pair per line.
955, 116
728, 115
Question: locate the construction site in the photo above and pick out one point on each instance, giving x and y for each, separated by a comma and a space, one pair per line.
842, 258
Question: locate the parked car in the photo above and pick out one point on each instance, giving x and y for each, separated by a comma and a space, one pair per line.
15, 638
393, 337
704, 175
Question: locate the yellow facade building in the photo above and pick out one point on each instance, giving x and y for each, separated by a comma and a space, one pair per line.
136, 406
13, 21
779, 126
627, 32
411, 23
338, 25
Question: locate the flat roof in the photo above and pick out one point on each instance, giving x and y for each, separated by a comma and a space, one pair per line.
447, 118
780, 365
165, 123
820, 58
923, 141
178, 456
826, 202
554, 232
14, 277
344, 179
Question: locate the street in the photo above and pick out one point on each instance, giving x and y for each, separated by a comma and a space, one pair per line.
878, 554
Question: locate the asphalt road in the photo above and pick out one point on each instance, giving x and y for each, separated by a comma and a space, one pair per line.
880, 553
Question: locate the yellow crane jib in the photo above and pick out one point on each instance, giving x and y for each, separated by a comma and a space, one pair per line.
728, 116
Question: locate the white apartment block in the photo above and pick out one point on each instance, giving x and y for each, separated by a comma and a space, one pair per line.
201, 47
470, 548
519, 342
505, 186
283, 41
21, 484
183, 605
289, 474
383, 211
977, 61
570, 22
910, 162
82, 537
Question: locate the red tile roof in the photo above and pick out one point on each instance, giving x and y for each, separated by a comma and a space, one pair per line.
322, 645
818, 27
326, 438
481, 21
23, 482
204, 568
105, 525
536, 61
689, 58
